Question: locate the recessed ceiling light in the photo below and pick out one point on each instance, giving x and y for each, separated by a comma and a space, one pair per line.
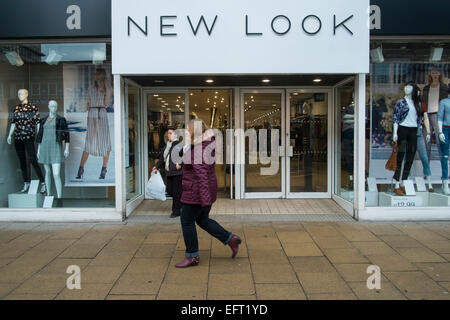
217, 92
207, 109
191, 93
156, 95
159, 81
160, 98
266, 80
295, 93
317, 80
209, 80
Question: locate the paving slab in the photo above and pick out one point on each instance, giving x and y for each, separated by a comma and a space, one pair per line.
130, 297
420, 255
303, 249
374, 248
401, 241
227, 265
311, 264
273, 273
332, 296
392, 263
33, 297
386, 292
230, 284
316, 282
180, 291
279, 292
87, 292
413, 282
333, 242
436, 271
345, 256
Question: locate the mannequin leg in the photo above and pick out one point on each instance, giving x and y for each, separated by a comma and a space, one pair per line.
410, 151
57, 176
48, 178
434, 127
402, 145
20, 150
106, 159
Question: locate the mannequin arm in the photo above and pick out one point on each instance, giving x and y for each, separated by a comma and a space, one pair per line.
441, 134
38, 149
66, 151
395, 136
426, 122
11, 132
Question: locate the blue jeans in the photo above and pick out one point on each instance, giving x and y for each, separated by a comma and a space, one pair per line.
190, 214
444, 152
423, 154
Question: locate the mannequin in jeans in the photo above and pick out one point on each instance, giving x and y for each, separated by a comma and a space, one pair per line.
407, 115
444, 138
423, 139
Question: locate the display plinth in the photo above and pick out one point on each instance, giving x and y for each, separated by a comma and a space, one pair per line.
389, 200
439, 200
25, 200
372, 198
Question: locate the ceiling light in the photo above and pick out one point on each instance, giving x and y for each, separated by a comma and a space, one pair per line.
14, 58
179, 97
209, 80
158, 81
436, 54
98, 56
156, 95
295, 93
207, 109
266, 80
160, 98
377, 55
217, 92
53, 57
317, 80
191, 93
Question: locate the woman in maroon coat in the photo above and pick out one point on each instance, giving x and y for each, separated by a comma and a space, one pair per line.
199, 192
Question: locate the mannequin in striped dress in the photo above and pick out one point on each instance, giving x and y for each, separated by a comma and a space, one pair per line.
98, 140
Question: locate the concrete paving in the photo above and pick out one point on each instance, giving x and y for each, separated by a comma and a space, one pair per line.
278, 260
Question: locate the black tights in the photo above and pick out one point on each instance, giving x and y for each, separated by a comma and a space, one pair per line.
27, 147
407, 145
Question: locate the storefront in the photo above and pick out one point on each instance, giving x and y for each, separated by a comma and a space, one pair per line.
299, 95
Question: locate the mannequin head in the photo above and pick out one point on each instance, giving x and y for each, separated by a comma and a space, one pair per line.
409, 90
435, 75
23, 95
52, 107
99, 78
412, 90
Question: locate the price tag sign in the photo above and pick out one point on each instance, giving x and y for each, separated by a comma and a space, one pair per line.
409, 188
34, 185
420, 182
48, 202
372, 183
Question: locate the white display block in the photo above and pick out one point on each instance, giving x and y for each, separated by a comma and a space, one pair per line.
439, 200
372, 184
389, 200
25, 200
48, 202
420, 182
372, 198
34, 186
409, 188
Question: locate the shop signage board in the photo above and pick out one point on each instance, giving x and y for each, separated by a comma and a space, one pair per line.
235, 37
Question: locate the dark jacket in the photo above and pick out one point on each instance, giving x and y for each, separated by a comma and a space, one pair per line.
62, 130
443, 93
199, 182
172, 165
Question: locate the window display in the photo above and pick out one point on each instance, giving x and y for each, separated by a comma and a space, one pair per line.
409, 95
58, 116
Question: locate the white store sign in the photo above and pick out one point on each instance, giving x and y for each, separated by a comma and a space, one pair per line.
240, 37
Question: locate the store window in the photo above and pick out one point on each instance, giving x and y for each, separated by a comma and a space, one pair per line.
409, 105
57, 125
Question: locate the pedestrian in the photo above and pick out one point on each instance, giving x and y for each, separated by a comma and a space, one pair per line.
173, 169
199, 192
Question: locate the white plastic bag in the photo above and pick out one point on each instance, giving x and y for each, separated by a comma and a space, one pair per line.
156, 189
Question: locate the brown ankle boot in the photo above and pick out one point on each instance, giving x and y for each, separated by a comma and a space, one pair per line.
234, 245
187, 262
399, 191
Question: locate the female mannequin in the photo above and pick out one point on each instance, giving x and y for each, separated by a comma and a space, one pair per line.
444, 138
52, 132
407, 115
23, 126
423, 139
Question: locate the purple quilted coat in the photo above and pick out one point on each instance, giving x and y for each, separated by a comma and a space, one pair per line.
199, 182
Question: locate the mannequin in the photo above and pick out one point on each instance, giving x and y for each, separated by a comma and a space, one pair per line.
23, 127
53, 131
407, 115
348, 130
444, 138
422, 143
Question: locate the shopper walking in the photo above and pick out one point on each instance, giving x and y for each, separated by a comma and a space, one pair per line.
168, 161
199, 192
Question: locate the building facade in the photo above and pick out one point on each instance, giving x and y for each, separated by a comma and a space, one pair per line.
301, 96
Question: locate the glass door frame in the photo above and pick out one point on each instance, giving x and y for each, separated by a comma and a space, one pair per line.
262, 195
348, 206
132, 204
145, 92
309, 195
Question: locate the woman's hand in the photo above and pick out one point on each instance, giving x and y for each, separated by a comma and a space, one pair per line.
154, 170
178, 166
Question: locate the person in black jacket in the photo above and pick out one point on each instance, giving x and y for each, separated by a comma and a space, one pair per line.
172, 169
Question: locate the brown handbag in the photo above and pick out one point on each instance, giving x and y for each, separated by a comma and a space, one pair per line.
391, 164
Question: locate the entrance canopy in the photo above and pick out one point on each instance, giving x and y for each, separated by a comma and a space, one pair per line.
235, 37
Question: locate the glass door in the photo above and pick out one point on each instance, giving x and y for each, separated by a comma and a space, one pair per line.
164, 109
133, 147
308, 157
262, 112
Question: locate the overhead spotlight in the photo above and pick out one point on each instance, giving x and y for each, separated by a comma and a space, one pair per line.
436, 54
266, 80
317, 80
53, 57
377, 55
209, 80
14, 58
156, 95
98, 56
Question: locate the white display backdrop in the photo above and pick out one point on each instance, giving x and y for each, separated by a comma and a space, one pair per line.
229, 48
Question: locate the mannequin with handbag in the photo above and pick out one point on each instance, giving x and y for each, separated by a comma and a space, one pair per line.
408, 113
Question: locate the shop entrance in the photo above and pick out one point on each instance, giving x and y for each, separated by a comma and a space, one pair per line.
291, 130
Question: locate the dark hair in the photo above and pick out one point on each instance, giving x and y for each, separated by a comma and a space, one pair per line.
449, 88
435, 68
100, 71
416, 97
